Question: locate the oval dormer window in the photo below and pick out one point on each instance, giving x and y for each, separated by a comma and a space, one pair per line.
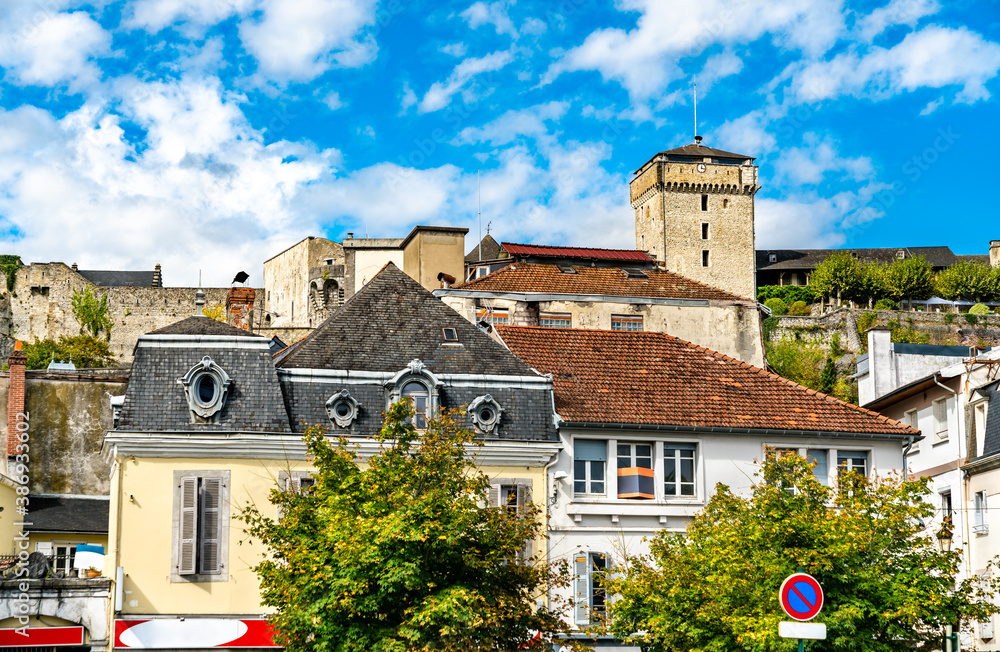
206, 389
206, 385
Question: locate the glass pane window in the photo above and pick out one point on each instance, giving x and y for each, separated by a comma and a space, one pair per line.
678, 469
554, 320
598, 593
495, 317
635, 471
623, 323
852, 462
979, 515
63, 559
420, 397
590, 458
820, 461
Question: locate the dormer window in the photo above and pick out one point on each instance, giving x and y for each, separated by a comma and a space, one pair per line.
485, 413
343, 409
418, 384
773, 258
900, 254
206, 386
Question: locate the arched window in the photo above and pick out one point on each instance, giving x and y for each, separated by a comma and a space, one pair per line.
421, 401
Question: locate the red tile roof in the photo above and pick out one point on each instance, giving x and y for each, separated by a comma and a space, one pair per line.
575, 252
613, 281
656, 379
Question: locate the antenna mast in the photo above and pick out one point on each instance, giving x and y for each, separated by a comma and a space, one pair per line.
696, 108
480, 184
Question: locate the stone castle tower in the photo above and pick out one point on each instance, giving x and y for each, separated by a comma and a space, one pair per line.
694, 213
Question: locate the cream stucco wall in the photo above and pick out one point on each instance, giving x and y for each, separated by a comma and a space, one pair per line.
142, 540
8, 517
368, 262
729, 328
429, 253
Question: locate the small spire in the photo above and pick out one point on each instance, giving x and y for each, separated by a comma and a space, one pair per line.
199, 299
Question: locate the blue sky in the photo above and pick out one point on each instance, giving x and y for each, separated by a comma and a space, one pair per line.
211, 134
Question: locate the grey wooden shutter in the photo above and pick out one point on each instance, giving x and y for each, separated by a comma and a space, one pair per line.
188, 526
493, 497
523, 496
211, 494
581, 590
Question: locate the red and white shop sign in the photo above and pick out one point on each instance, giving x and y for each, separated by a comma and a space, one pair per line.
41, 636
178, 633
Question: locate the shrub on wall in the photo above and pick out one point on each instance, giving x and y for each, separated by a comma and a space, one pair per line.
799, 308
776, 306
886, 304
979, 309
787, 293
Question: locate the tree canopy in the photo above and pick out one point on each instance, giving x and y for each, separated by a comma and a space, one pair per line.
402, 553
887, 586
85, 351
838, 275
968, 280
910, 278
91, 312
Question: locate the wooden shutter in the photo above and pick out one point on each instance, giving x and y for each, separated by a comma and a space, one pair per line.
211, 494
581, 590
986, 629
493, 496
523, 496
188, 526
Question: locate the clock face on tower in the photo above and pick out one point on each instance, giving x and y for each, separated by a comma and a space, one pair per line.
701, 167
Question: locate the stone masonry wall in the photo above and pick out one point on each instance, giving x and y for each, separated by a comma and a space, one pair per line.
40, 307
730, 219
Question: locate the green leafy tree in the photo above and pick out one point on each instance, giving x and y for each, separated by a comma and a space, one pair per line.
85, 351
840, 276
91, 312
910, 278
216, 312
9, 264
871, 283
967, 280
887, 586
799, 308
776, 306
979, 309
828, 377
402, 554
799, 362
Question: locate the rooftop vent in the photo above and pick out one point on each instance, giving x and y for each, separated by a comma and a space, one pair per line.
450, 334
567, 269
631, 272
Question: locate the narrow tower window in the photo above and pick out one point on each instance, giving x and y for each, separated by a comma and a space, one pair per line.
704, 230
725, 204
704, 202
704, 258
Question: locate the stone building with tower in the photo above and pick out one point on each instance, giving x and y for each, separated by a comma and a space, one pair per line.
694, 212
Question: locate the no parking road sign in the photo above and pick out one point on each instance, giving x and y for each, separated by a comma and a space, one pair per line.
801, 596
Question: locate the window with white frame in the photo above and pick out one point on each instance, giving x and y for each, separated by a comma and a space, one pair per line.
635, 471
62, 554
911, 419
590, 457
513, 495
979, 425
590, 595
626, 322
420, 395
201, 526
946, 507
555, 320
980, 523
852, 462
495, 316
678, 469
819, 459
940, 407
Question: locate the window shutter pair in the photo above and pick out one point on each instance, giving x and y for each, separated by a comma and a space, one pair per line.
200, 499
581, 590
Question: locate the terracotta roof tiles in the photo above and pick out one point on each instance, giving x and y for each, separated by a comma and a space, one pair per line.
655, 379
612, 281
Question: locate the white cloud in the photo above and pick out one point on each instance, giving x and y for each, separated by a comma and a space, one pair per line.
897, 12
440, 94
817, 158
454, 49
932, 57
524, 122
745, 135
719, 66
191, 17
46, 48
204, 191
409, 97
644, 59
298, 41
932, 106
493, 13
332, 101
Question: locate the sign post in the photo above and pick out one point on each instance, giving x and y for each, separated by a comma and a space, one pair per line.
801, 597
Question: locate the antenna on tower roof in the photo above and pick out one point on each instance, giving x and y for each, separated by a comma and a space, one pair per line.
697, 138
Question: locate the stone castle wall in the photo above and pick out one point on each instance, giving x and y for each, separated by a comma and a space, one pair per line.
40, 307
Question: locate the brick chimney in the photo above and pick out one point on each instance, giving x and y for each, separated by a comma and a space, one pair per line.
157, 277
239, 307
15, 395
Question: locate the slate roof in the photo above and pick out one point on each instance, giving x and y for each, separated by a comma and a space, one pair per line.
789, 259
586, 253
974, 258
700, 151
491, 250
612, 281
155, 401
642, 378
68, 514
116, 278
391, 321
201, 325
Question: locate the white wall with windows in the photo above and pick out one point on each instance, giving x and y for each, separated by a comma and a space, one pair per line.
611, 488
